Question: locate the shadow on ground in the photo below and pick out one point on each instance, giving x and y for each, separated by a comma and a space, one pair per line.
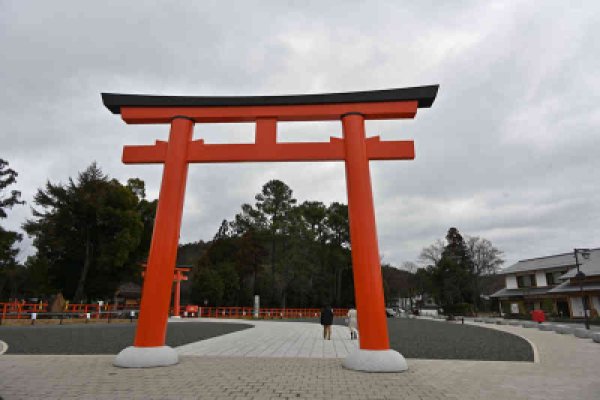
101, 338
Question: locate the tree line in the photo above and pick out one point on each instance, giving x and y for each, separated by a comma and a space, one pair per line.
93, 233
292, 255
455, 274
90, 235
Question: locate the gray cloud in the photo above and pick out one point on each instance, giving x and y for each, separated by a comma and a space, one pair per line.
506, 151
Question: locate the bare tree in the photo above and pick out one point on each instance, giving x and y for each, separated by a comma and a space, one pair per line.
486, 258
410, 266
432, 254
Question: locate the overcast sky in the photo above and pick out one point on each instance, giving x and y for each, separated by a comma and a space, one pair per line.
509, 151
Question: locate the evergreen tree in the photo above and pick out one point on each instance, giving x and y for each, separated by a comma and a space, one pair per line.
11, 273
451, 276
339, 257
147, 213
208, 287
87, 234
291, 255
249, 259
8, 239
274, 202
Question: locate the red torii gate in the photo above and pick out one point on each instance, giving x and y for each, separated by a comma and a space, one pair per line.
178, 276
355, 149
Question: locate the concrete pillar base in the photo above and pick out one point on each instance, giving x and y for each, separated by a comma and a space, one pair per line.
375, 361
146, 357
563, 329
544, 326
583, 333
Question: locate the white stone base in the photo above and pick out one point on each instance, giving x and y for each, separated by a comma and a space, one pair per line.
375, 361
545, 327
583, 333
529, 324
146, 357
563, 329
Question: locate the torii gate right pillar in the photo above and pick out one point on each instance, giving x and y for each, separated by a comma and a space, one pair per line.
374, 353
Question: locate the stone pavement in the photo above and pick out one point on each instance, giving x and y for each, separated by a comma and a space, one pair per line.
276, 339
567, 369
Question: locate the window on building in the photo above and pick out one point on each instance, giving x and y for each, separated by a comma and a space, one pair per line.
526, 281
553, 278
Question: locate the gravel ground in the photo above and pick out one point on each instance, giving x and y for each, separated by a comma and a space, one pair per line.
101, 338
418, 338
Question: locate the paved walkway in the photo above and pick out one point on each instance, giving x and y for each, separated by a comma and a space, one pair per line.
567, 369
276, 339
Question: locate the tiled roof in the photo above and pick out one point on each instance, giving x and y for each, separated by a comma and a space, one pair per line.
555, 261
521, 292
574, 287
588, 267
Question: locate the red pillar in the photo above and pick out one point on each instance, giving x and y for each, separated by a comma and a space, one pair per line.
176, 306
368, 284
156, 299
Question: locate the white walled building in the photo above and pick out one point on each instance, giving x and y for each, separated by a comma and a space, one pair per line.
549, 283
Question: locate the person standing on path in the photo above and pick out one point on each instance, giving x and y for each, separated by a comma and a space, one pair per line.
353, 324
327, 321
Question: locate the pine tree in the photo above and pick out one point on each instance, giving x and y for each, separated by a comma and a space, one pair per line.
86, 234
11, 274
451, 276
8, 239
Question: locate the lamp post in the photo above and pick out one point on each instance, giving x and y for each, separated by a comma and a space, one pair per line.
585, 253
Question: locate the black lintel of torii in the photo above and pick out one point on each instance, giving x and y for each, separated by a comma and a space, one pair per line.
424, 95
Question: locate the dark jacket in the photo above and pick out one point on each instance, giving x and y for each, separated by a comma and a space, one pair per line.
327, 316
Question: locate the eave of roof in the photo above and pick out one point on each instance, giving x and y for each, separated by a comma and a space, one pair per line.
574, 287
424, 95
521, 292
563, 260
589, 266
511, 270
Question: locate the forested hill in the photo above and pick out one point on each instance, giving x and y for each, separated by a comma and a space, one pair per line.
190, 253
292, 255
92, 235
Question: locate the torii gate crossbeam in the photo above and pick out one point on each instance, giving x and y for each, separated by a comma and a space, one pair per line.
354, 149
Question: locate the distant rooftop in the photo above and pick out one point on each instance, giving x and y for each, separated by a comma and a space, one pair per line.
567, 286
589, 267
521, 292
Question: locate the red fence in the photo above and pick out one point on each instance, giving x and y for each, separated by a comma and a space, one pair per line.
17, 310
267, 313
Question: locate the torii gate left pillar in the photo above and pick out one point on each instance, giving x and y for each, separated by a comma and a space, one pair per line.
355, 150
